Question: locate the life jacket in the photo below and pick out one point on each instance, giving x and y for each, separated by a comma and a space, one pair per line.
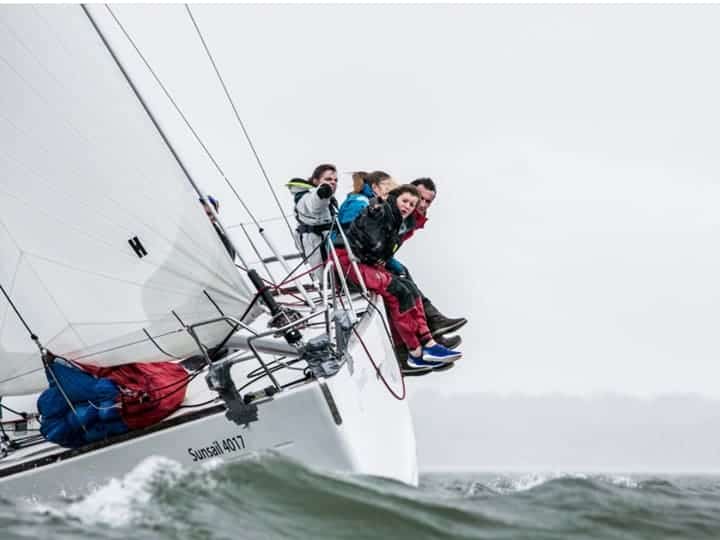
299, 187
374, 236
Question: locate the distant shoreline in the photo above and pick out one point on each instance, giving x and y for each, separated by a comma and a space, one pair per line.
505, 470
607, 434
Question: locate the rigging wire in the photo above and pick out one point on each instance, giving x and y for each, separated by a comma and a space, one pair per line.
242, 124
219, 169
192, 130
182, 114
272, 247
47, 356
195, 134
139, 97
152, 118
19, 413
22, 319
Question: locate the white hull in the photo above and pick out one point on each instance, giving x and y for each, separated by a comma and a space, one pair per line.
353, 424
110, 258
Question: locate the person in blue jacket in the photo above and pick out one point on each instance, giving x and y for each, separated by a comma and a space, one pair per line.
365, 187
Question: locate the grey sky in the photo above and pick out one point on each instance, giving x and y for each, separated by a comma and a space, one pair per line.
574, 148
672, 434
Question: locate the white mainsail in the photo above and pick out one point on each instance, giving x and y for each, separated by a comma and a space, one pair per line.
84, 172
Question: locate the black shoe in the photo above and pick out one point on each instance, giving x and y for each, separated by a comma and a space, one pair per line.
401, 353
438, 323
416, 372
444, 367
443, 325
451, 342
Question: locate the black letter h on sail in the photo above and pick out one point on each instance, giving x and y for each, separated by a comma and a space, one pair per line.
137, 246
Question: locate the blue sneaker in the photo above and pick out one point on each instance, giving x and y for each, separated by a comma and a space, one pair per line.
420, 362
438, 353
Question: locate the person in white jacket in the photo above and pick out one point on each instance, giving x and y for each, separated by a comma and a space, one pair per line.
313, 198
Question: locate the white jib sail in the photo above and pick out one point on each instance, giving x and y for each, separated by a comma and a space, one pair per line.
83, 173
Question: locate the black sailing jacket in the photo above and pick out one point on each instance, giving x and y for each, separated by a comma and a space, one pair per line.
374, 235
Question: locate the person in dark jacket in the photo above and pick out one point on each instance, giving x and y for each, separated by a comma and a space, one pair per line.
439, 324
366, 186
373, 237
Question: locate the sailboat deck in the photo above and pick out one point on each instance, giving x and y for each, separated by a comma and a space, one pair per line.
249, 376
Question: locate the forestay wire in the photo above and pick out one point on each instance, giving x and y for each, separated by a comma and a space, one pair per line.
182, 114
260, 228
242, 124
33, 336
45, 354
305, 295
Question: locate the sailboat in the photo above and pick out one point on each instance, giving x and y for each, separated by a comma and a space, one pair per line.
107, 258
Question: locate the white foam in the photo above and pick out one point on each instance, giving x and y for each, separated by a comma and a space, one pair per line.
119, 502
524, 482
621, 481
529, 481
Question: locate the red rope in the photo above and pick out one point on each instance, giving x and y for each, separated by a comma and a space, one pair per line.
288, 280
277, 287
274, 287
379, 373
367, 352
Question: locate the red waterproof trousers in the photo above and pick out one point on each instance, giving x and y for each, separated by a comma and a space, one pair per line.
401, 296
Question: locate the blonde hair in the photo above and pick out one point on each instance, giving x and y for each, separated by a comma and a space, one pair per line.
372, 179
393, 184
358, 181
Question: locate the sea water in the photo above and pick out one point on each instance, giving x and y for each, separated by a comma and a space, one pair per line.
267, 497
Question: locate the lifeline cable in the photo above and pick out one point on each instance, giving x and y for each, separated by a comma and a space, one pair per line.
286, 279
370, 357
379, 373
185, 381
367, 352
242, 319
195, 405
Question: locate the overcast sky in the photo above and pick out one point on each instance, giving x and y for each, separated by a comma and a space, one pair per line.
574, 148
